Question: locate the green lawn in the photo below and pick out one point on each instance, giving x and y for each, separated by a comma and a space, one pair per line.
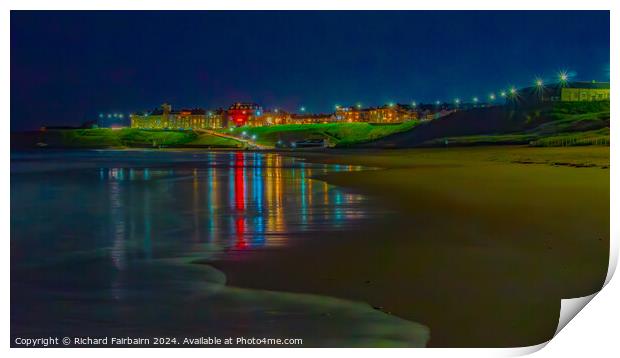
132, 137
337, 134
215, 141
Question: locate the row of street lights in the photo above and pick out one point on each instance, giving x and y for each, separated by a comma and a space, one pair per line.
111, 115
539, 83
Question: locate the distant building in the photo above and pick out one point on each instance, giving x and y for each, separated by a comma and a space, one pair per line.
217, 119
167, 118
567, 92
274, 117
397, 113
585, 92
244, 114
351, 114
313, 118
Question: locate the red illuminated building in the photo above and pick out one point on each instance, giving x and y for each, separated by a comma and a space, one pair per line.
242, 114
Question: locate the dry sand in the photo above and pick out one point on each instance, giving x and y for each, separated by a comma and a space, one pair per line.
482, 245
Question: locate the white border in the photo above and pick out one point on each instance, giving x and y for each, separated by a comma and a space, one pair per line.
593, 332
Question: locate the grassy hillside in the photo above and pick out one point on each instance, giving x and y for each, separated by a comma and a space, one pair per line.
549, 124
126, 137
337, 134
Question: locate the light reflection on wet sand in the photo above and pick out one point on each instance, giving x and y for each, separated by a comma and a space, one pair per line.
237, 201
99, 237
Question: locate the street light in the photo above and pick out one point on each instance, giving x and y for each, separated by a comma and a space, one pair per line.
475, 99
513, 91
414, 104
539, 82
563, 77
492, 96
457, 101
303, 109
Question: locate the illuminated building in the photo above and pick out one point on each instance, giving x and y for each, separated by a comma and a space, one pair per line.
397, 113
585, 92
564, 92
352, 114
216, 119
167, 118
273, 117
307, 118
244, 114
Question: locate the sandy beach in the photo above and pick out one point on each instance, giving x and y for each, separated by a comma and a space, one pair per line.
481, 245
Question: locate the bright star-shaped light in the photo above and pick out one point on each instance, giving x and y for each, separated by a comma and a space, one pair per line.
563, 77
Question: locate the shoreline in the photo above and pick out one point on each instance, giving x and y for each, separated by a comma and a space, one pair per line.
459, 255
480, 244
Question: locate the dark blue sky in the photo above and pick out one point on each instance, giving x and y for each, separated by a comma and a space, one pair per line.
66, 67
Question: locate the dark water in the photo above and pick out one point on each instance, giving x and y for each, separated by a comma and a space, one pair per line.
117, 243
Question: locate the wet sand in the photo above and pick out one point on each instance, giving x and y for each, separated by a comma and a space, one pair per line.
481, 246
118, 244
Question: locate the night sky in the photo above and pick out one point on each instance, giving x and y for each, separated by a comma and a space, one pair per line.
67, 67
